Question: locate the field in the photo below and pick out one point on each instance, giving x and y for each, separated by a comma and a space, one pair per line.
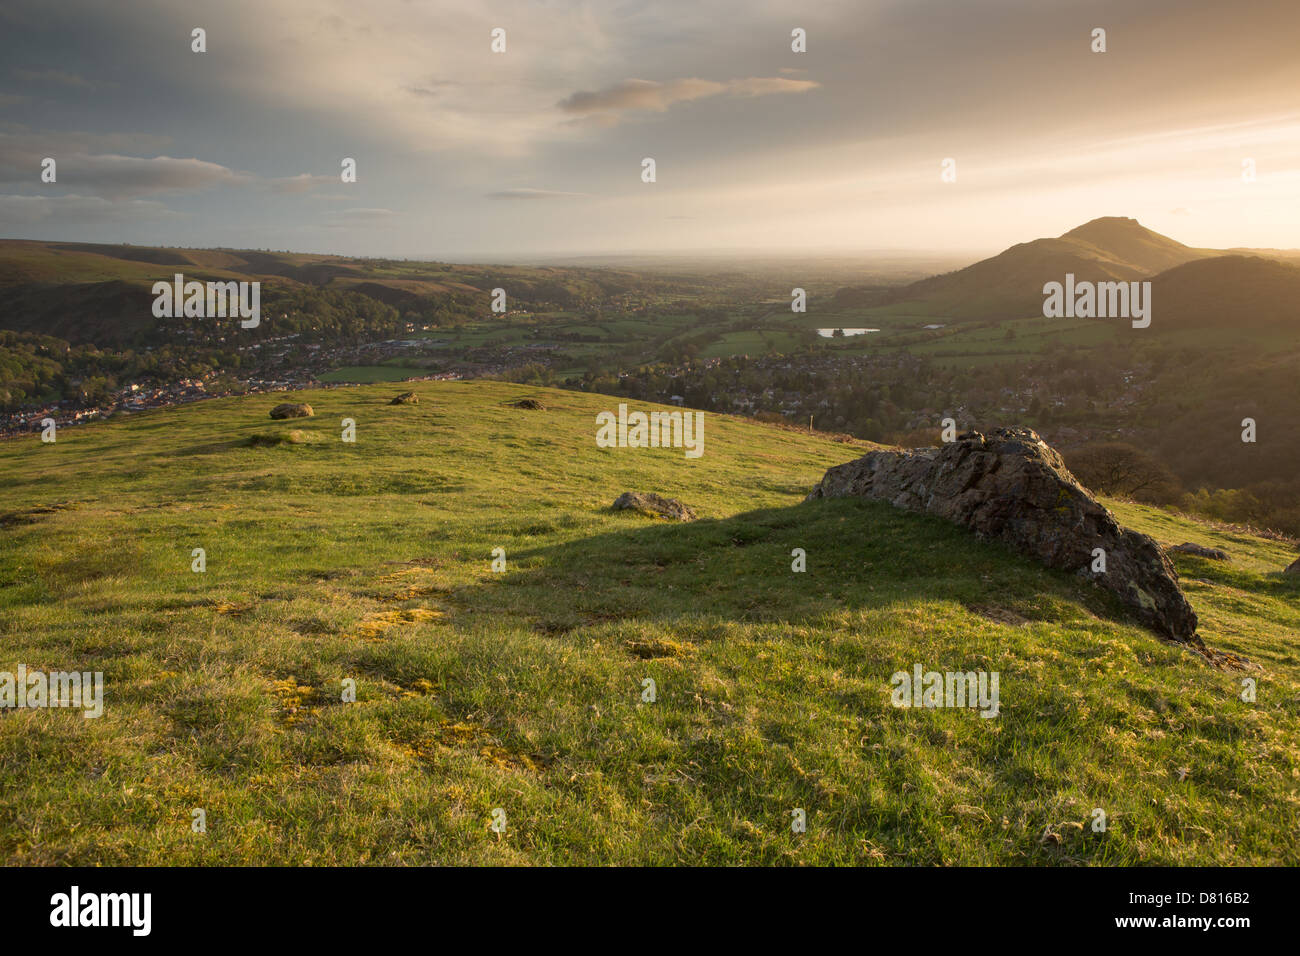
523, 690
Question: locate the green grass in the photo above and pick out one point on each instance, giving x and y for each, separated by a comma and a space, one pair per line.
756, 342
521, 690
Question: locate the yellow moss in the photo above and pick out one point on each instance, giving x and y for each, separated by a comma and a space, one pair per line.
411, 590
462, 736
291, 697
374, 627
233, 610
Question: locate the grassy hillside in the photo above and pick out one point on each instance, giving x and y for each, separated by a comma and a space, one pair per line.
1008, 285
102, 294
522, 690
1239, 293
1129, 241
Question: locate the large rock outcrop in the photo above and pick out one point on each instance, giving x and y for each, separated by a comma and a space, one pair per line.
1013, 487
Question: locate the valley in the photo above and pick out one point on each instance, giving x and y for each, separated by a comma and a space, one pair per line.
972, 345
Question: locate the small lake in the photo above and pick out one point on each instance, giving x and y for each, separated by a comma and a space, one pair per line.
830, 333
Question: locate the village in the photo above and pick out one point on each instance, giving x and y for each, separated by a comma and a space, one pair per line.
278, 364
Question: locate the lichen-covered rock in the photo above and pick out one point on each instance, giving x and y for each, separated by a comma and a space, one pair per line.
652, 504
292, 410
1200, 551
1012, 487
406, 398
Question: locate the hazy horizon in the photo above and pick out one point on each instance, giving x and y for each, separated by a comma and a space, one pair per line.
651, 257
535, 153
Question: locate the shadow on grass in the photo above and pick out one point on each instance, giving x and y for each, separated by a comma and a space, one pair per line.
859, 554
1274, 584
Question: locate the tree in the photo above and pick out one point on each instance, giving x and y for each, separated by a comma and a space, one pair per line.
1118, 468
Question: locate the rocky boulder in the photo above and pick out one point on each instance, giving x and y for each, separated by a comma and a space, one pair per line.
652, 504
1200, 551
292, 410
406, 398
1012, 487
1293, 567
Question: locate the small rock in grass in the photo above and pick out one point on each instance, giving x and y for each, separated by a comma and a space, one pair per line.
292, 410
1201, 551
652, 504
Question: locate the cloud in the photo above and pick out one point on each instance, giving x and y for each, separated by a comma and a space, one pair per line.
22, 146
533, 194
443, 125
123, 177
116, 176
647, 95
111, 175
767, 85
328, 59
302, 183
433, 87
359, 216
593, 121
54, 77
640, 95
331, 58
76, 210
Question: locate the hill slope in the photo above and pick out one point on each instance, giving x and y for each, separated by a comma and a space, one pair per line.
523, 690
1240, 292
1128, 241
1195, 287
102, 294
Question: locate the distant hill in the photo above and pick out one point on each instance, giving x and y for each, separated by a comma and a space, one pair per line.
1109, 249
25, 261
115, 312
157, 257
1128, 241
1244, 291
1010, 284
100, 293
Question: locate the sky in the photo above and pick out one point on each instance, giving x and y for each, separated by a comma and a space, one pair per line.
469, 154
